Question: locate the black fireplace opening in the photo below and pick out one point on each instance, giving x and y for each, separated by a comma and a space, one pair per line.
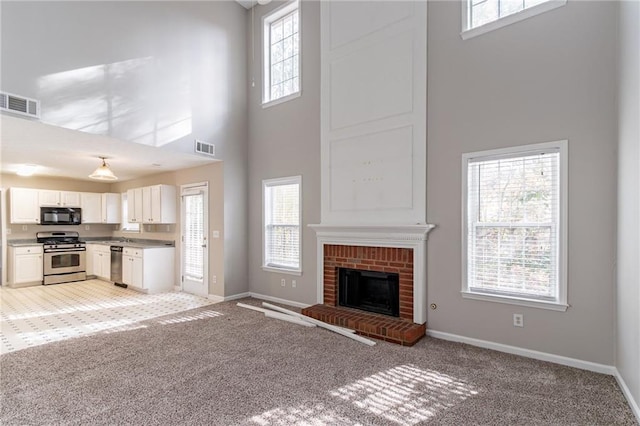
369, 290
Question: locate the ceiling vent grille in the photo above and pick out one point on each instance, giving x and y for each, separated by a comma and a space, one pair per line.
19, 105
205, 148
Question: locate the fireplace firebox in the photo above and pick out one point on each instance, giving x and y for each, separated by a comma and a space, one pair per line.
369, 290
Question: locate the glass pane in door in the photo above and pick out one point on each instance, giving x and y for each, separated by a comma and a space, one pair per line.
194, 237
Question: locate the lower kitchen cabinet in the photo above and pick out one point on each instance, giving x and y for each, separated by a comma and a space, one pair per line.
150, 270
99, 261
26, 265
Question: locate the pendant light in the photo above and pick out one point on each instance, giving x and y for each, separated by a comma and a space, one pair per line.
103, 172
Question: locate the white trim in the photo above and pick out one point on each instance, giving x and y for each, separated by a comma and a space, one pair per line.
274, 15
528, 353
499, 298
278, 300
193, 189
561, 303
215, 298
297, 272
627, 394
237, 296
530, 12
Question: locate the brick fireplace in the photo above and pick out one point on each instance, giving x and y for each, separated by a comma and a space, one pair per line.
388, 249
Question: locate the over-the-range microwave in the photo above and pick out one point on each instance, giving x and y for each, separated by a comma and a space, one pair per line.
60, 216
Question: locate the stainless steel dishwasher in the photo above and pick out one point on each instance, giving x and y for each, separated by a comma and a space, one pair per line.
116, 266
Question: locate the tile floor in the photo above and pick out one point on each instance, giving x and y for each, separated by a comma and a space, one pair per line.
34, 316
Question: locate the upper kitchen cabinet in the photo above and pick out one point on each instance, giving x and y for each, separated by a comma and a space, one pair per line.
159, 204
134, 205
49, 198
100, 208
25, 207
111, 208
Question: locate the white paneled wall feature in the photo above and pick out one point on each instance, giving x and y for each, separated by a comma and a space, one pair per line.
373, 112
371, 17
373, 83
373, 172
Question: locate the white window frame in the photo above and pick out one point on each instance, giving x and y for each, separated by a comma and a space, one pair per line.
468, 32
560, 301
277, 182
267, 20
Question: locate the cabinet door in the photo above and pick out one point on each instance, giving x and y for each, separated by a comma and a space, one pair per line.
134, 205
91, 204
111, 210
136, 272
127, 270
147, 205
24, 205
96, 264
106, 265
70, 199
28, 268
156, 204
49, 198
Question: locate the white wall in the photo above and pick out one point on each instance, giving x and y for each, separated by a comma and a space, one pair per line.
628, 297
158, 73
547, 78
284, 140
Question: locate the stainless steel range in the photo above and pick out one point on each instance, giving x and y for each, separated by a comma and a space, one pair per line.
64, 257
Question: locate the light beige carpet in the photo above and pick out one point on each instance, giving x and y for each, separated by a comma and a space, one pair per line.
224, 365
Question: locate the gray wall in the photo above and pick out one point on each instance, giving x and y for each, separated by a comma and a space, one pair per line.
284, 140
547, 78
628, 307
159, 73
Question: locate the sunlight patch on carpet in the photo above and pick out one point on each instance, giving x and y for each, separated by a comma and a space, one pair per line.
192, 317
307, 415
406, 394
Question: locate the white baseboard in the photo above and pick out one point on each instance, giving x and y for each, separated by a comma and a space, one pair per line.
177, 288
279, 300
237, 296
542, 356
627, 394
215, 298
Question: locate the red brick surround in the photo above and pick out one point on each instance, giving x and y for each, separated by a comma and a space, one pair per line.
381, 259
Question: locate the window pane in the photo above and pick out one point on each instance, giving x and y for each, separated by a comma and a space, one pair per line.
276, 32
507, 7
276, 53
288, 26
288, 47
276, 73
282, 225
484, 12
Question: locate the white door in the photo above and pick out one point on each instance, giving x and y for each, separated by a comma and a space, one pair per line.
195, 244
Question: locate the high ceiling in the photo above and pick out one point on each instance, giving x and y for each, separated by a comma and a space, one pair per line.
73, 154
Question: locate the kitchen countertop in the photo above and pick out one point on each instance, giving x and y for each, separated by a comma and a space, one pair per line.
21, 243
134, 243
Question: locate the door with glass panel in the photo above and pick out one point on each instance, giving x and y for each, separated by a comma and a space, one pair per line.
195, 245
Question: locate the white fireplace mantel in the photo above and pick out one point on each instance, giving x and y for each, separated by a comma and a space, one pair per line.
401, 236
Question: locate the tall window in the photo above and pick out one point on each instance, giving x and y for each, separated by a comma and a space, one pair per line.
480, 16
514, 225
281, 219
282, 53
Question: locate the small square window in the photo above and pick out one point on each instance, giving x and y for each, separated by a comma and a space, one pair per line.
281, 45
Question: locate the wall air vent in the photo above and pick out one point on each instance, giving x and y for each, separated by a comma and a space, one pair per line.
19, 105
205, 148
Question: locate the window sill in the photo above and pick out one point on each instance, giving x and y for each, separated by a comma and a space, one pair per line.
553, 306
297, 272
281, 100
512, 19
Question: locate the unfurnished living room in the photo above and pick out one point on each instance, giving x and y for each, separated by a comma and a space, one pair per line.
299, 212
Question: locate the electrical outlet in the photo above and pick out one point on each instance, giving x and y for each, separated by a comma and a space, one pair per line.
293, 283
518, 320
8, 231
87, 227
24, 227
283, 282
216, 234
214, 279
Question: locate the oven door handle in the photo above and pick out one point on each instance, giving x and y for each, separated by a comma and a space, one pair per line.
65, 250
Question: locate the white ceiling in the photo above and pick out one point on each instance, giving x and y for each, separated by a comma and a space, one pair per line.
73, 154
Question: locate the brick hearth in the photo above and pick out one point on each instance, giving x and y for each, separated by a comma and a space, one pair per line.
400, 330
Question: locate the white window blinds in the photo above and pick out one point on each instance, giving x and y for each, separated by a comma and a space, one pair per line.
194, 236
513, 217
282, 223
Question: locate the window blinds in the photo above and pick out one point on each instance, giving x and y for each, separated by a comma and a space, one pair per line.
194, 236
282, 226
513, 225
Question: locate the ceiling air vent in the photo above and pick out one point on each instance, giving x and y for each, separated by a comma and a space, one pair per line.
205, 148
19, 105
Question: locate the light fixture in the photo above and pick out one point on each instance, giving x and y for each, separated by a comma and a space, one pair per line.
27, 169
103, 172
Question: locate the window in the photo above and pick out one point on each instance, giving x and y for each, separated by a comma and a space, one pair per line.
514, 222
281, 222
481, 16
125, 225
281, 54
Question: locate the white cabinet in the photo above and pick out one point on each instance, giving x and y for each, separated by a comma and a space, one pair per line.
100, 208
134, 205
99, 261
111, 208
50, 198
26, 265
91, 204
150, 270
159, 204
24, 205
